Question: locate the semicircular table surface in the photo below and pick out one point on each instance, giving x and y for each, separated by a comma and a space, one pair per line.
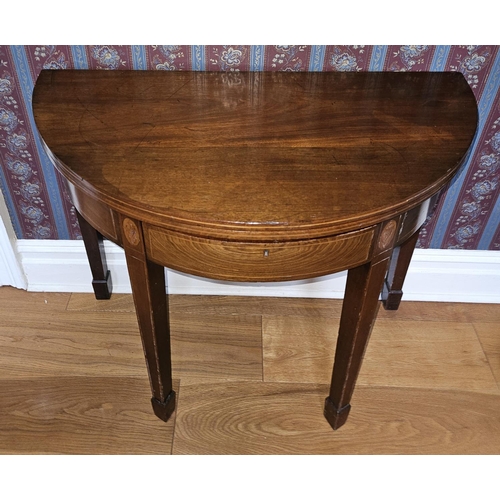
261, 176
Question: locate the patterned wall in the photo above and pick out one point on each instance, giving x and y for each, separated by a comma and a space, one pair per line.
468, 216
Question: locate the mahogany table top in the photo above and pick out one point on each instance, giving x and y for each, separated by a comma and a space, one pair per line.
259, 155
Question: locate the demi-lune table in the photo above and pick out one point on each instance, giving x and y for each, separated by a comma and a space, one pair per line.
256, 177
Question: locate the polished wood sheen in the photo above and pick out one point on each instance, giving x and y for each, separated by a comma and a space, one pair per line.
258, 177
245, 261
251, 374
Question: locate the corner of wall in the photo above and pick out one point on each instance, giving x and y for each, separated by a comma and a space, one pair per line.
11, 271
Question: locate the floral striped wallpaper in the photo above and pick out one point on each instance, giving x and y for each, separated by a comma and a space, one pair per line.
468, 216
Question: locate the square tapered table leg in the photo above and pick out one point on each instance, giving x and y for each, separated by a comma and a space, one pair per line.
94, 246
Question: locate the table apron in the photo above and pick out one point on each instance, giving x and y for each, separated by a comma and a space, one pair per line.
99, 215
251, 261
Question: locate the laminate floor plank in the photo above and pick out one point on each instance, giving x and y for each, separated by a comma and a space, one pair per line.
400, 353
216, 305
489, 336
118, 302
208, 347
73, 378
13, 299
437, 355
289, 306
455, 312
76, 344
89, 343
77, 415
234, 305
274, 418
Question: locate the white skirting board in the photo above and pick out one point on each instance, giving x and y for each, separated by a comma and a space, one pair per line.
434, 275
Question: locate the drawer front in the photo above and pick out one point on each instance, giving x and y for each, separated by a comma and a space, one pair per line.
233, 261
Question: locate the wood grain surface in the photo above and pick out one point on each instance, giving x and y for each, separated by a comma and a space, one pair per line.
261, 156
81, 415
72, 378
287, 306
205, 348
488, 334
439, 355
272, 418
271, 261
42, 340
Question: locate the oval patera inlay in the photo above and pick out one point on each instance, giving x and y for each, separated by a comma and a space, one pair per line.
387, 235
131, 232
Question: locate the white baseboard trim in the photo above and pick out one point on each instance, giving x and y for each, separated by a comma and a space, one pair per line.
434, 275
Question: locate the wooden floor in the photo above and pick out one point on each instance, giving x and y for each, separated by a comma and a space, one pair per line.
251, 375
